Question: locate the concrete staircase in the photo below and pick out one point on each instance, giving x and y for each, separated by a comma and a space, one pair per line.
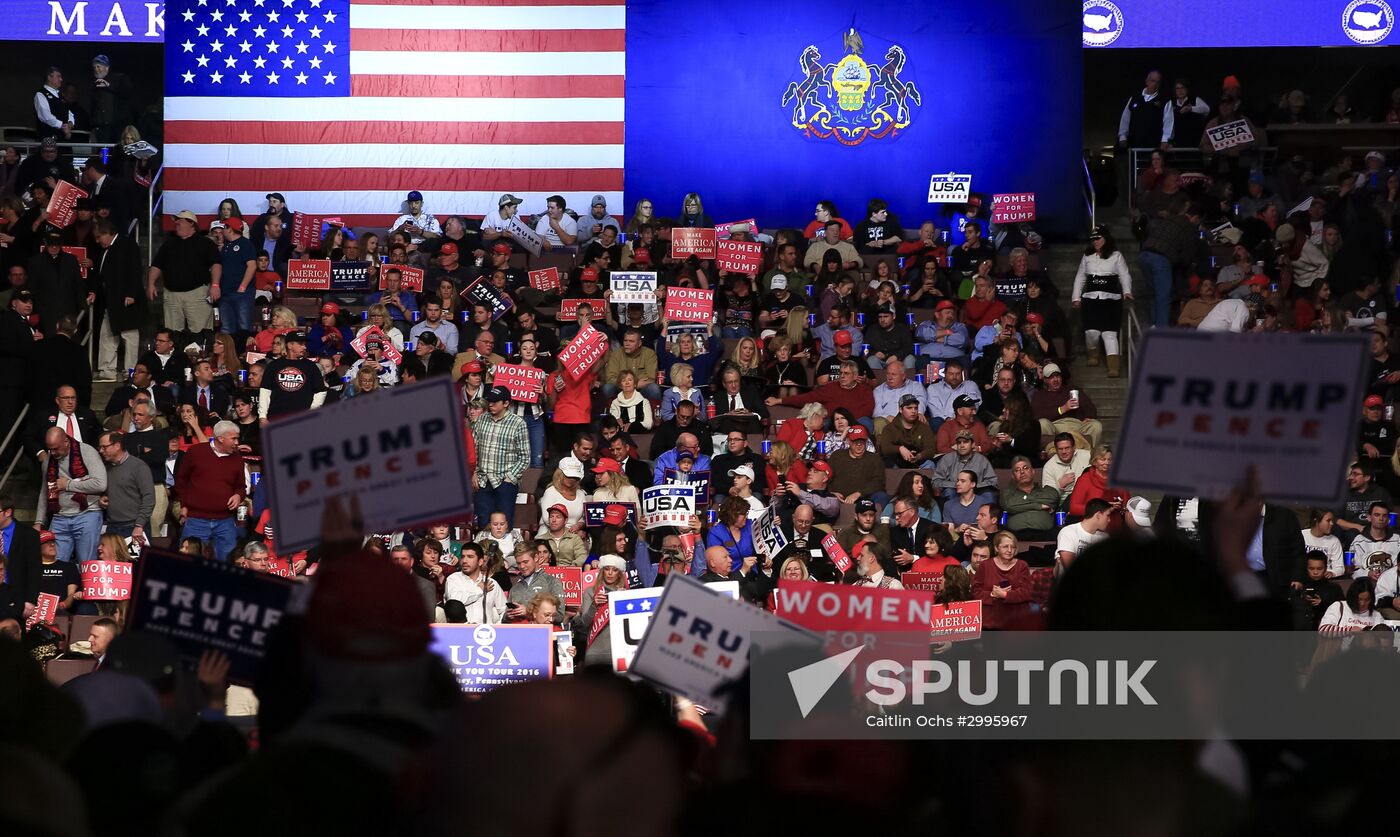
1108, 394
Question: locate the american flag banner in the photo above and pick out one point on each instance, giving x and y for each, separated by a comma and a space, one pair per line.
344, 106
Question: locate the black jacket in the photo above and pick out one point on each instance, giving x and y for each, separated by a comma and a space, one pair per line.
752, 396
899, 537
16, 351
119, 275
720, 466
58, 288
118, 195
22, 563
1284, 549
65, 361
664, 437
39, 424
167, 372
219, 401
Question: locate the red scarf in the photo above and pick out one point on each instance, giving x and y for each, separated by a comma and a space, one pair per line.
76, 471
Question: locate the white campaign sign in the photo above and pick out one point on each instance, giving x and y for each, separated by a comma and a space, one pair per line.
1230, 134
526, 237
629, 287
768, 534
402, 453
1203, 407
698, 642
949, 188
630, 612
667, 505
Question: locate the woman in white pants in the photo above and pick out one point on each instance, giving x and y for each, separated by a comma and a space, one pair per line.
1100, 287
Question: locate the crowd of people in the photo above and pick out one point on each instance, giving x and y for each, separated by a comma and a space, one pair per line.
907, 392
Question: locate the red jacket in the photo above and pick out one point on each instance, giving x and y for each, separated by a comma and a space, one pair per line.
204, 481
1000, 613
1092, 486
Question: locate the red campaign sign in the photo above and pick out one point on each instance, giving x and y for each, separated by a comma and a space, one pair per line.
45, 610
411, 277
589, 577
309, 275
545, 280
693, 241
391, 354
568, 308
63, 204
1013, 209
930, 582
524, 382
79, 253
306, 229
738, 256
689, 305
723, 229
837, 553
107, 581
572, 579
280, 567
957, 621
583, 351
828, 607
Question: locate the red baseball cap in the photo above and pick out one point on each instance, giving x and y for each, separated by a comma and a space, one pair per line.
502, 248
1033, 317
821, 465
614, 515
607, 463
944, 304
558, 507
330, 308
842, 338
589, 274
45, 536
234, 223
471, 366
449, 249
1374, 401
857, 432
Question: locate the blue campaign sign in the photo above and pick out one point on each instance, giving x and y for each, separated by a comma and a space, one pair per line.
486, 656
486, 294
112, 21
350, 276
202, 605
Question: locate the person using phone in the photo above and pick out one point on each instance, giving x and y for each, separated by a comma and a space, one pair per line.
1314, 594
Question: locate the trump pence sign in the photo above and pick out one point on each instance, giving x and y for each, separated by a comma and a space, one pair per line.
402, 452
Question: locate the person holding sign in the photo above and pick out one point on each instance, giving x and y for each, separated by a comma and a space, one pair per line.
612, 576
733, 535
1232, 162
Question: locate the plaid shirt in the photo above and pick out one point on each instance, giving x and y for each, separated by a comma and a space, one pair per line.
502, 449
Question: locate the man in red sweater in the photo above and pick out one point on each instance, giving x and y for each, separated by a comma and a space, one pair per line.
849, 390
210, 483
983, 308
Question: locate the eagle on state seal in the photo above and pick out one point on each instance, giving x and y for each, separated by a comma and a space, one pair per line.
851, 100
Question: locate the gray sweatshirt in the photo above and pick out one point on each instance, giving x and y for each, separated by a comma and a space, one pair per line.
130, 491
92, 485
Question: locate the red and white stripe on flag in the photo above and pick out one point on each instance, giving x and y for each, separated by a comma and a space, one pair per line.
462, 100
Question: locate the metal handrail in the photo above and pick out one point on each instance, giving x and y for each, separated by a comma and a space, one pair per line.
19, 422
152, 204
1091, 198
1131, 333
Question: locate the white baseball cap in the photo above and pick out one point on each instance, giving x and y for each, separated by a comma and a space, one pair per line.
742, 471
1140, 509
571, 467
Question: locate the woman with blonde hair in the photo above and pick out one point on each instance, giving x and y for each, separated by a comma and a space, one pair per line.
112, 547
613, 485
280, 321
746, 357
682, 378
378, 315
612, 576
784, 467
644, 213
805, 432
693, 212
794, 569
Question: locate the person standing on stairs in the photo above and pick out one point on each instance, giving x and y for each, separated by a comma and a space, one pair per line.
1100, 288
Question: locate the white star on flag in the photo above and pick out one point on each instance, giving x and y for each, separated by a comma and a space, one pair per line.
646, 604
188, 15
189, 47
188, 77
245, 77
287, 63
330, 17
329, 46
230, 61
315, 31
301, 47
217, 17
203, 60
272, 17
217, 78
272, 78
245, 47
258, 31
202, 30
301, 78
316, 63
330, 78
245, 16
259, 62
301, 17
